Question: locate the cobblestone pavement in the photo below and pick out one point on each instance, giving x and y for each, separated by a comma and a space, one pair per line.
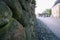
52, 23
43, 32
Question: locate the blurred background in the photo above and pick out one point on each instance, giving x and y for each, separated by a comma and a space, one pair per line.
44, 7
48, 11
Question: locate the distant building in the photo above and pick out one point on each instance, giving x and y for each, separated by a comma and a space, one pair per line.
57, 1
56, 9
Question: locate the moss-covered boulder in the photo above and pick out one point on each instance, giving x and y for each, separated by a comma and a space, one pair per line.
5, 14
23, 12
16, 8
12, 31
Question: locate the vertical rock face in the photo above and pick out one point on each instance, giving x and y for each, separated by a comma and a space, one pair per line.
5, 14
12, 31
18, 12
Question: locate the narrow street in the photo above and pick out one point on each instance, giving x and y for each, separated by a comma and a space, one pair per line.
53, 24
48, 29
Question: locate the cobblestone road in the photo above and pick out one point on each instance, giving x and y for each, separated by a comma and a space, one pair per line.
43, 32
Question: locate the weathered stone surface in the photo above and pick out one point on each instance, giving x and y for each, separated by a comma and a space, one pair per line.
12, 31
5, 14
23, 12
16, 8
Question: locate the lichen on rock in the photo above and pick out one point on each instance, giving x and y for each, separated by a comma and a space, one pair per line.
5, 14
12, 31
20, 20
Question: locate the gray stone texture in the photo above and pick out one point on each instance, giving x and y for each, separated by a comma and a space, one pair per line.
17, 20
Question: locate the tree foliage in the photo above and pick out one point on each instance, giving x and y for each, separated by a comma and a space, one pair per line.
47, 12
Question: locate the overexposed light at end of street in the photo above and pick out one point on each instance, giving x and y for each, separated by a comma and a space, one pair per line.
41, 5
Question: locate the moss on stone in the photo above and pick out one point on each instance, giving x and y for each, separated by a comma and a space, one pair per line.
23, 12
5, 28
5, 13
16, 8
12, 31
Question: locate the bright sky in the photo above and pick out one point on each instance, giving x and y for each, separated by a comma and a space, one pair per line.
41, 5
